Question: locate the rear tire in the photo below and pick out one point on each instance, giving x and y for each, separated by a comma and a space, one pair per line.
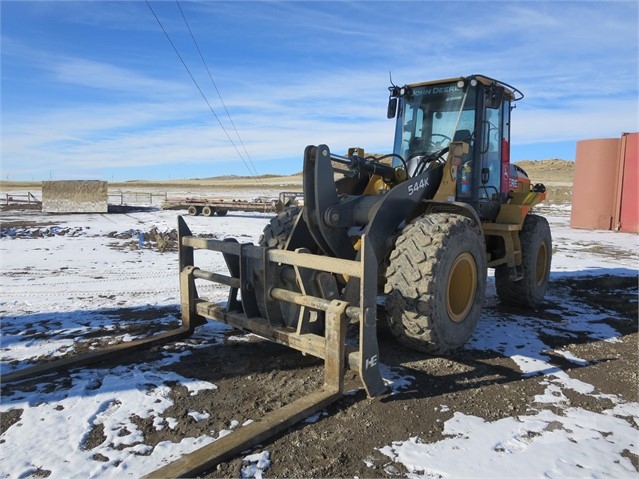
536, 253
436, 282
192, 210
221, 212
207, 211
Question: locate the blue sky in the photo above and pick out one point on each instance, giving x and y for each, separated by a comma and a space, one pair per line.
94, 90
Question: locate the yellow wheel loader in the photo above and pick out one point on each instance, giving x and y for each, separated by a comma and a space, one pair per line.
405, 238
448, 206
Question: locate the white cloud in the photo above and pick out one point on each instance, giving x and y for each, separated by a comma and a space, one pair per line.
104, 76
593, 118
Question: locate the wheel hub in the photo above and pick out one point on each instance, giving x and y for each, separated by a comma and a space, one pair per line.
461, 287
541, 264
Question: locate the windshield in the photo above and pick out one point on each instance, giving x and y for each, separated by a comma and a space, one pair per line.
429, 118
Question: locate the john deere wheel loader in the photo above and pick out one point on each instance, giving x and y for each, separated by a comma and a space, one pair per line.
449, 205
408, 235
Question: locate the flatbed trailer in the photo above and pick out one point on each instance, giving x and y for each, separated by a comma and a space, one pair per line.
207, 206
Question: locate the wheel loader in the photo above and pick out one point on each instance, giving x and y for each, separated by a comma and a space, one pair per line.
404, 238
446, 207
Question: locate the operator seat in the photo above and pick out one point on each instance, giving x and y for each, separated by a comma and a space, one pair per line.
462, 135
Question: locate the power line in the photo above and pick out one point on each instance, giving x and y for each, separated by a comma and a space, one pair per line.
198, 86
228, 114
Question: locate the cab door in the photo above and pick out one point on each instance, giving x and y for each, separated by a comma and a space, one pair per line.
494, 156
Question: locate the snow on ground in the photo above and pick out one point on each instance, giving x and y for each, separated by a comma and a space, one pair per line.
57, 285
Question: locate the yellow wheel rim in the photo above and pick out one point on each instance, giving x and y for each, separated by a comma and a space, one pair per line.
541, 265
461, 287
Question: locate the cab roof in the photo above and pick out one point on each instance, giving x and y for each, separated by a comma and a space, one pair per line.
512, 92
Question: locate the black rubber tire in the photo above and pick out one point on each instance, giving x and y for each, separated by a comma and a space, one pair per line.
192, 210
275, 235
536, 254
278, 230
436, 282
207, 211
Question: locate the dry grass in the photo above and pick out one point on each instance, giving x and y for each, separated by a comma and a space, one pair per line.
551, 172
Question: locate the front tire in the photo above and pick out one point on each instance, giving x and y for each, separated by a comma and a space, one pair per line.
536, 254
436, 282
276, 233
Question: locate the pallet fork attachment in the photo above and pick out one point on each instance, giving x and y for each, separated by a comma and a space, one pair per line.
248, 265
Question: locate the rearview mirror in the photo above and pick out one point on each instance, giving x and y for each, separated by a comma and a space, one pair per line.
485, 175
495, 96
392, 108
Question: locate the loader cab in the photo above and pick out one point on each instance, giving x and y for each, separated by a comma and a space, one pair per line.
474, 110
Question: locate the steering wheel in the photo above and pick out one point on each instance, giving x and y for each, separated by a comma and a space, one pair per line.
438, 144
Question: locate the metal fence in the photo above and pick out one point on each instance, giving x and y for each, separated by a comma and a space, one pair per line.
136, 198
22, 198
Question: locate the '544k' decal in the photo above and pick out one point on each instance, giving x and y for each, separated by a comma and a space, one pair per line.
418, 185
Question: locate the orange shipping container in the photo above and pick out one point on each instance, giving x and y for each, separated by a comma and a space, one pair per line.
605, 184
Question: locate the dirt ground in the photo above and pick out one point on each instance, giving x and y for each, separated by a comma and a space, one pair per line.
255, 377
474, 382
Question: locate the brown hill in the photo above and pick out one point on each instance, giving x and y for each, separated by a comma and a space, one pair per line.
550, 172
